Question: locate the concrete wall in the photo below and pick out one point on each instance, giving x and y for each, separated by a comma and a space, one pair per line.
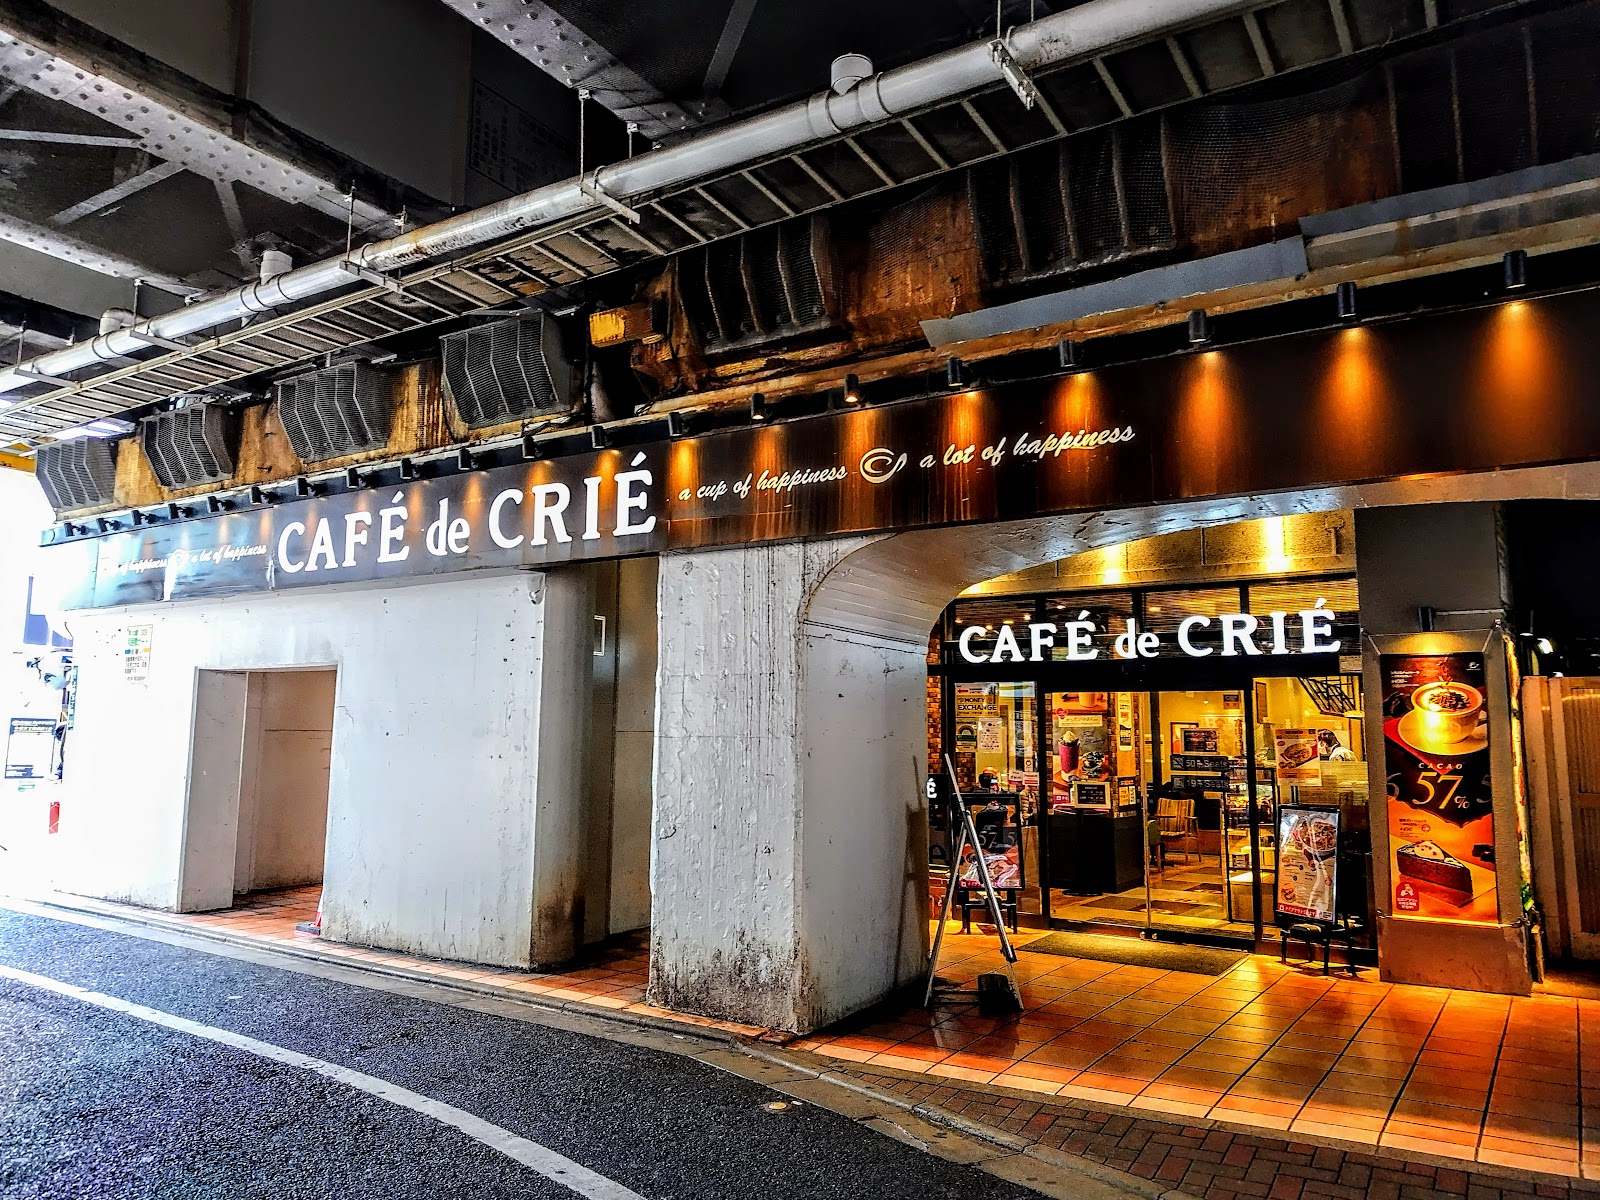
283, 789
458, 735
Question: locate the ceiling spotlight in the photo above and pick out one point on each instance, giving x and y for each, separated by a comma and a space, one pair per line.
464, 460
302, 486
598, 437
1345, 298
214, 504
758, 407
852, 389
1067, 354
258, 495
408, 470
955, 373
1515, 267
353, 480
530, 447
677, 424
1199, 327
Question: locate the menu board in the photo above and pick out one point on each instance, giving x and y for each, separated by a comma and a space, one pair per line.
1199, 741
1307, 884
1299, 756
1440, 797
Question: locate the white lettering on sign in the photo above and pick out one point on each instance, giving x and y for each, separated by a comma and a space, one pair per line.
1239, 636
326, 544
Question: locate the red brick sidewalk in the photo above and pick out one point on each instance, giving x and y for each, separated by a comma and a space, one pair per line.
1208, 1160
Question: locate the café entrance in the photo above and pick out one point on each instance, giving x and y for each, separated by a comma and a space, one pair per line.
1141, 793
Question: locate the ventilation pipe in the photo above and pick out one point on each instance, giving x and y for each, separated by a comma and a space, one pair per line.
114, 319
1077, 34
849, 70
274, 263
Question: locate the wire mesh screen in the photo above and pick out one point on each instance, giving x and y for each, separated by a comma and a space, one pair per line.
191, 445
74, 474
507, 371
348, 409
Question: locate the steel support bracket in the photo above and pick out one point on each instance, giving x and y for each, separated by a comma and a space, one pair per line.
1014, 74
592, 189
371, 276
153, 339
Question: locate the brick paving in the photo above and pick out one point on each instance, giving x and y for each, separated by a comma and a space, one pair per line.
1206, 1159
1498, 1080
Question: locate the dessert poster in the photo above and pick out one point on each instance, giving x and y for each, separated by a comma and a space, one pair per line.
1440, 802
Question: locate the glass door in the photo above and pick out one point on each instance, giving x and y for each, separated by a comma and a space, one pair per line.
1096, 759
1202, 873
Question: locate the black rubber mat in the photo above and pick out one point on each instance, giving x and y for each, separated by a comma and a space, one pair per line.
1134, 952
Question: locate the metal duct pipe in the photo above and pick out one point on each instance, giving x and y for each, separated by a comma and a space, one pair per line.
1079, 33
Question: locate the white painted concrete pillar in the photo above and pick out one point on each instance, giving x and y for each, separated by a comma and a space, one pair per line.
789, 819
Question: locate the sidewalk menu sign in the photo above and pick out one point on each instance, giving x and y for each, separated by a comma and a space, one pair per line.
1307, 884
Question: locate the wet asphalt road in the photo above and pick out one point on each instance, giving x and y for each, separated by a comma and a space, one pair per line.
95, 1103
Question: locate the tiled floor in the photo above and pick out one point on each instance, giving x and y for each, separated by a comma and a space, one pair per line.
611, 975
1511, 1082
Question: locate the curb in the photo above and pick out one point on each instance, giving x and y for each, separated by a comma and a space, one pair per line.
1009, 1142
717, 1037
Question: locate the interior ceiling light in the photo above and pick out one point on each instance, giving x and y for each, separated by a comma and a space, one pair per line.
1515, 267
1199, 327
1345, 297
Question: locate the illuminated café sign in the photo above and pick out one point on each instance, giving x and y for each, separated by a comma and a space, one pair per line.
1369, 404
1309, 631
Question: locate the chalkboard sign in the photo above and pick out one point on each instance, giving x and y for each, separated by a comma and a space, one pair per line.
1093, 795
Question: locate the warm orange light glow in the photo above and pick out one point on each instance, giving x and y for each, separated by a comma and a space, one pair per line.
1519, 379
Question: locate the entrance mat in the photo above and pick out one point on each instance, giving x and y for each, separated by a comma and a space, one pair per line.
1136, 952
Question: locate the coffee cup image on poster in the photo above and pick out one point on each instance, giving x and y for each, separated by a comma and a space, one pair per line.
1440, 798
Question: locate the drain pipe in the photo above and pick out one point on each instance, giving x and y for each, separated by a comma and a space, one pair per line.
1082, 32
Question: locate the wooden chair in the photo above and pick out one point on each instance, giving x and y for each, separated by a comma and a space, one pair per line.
1179, 830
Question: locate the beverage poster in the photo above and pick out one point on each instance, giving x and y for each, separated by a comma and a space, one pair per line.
1308, 864
1440, 798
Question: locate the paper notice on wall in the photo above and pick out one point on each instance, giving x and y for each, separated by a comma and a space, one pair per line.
991, 735
30, 742
1299, 756
136, 654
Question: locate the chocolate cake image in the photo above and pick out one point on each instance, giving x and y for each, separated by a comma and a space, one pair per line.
1427, 862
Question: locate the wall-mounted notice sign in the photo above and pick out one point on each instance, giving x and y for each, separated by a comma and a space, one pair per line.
30, 746
1440, 798
136, 653
1299, 756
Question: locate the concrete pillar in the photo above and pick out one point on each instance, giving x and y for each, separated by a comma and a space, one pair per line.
786, 881
1448, 559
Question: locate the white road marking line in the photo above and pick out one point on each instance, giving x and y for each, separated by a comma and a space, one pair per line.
554, 1167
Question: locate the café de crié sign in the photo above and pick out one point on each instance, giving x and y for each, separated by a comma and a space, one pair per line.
1309, 631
